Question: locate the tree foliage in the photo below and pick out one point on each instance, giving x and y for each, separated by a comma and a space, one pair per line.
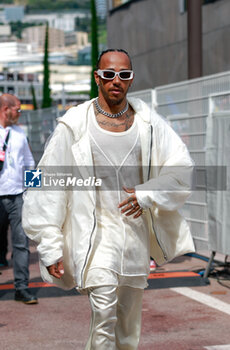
94, 50
36, 5
47, 101
6, 2
57, 4
34, 100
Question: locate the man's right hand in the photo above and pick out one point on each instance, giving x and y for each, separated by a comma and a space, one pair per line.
56, 270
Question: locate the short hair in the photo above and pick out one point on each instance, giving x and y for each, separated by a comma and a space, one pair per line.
8, 100
112, 50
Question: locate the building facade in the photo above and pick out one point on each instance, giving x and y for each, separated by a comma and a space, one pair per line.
19, 84
62, 21
80, 39
13, 49
155, 35
36, 36
14, 13
5, 30
11, 13
101, 7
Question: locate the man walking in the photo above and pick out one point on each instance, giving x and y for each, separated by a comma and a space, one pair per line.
14, 155
4, 223
101, 240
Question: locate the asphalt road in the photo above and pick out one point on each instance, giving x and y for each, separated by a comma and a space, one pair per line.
180, 311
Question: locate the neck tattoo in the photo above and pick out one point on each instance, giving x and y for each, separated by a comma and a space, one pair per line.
110, 115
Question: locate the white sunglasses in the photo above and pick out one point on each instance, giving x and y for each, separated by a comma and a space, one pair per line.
110, 74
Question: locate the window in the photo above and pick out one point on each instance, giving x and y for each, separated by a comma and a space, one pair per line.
21, 91
10, 90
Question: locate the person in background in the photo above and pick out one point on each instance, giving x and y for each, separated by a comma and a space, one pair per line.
4, 224
15, 154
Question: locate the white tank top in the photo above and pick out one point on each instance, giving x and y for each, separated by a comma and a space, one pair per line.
121, 243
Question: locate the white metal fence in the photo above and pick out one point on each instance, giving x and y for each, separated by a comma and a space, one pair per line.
217, 153
187, 105
38, 126
148, 96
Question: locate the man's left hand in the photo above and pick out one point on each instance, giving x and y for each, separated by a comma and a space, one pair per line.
56, 270
130, 205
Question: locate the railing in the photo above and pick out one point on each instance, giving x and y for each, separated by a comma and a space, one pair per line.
186, 105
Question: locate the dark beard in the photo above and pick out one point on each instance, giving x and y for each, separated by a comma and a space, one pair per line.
110, 101
116, 102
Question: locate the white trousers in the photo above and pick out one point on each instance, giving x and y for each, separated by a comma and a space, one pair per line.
115, 319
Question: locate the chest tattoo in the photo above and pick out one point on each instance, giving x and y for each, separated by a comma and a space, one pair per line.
122, 123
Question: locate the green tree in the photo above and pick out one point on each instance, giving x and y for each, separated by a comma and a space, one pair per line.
57, 5
33, 97
47, 101
94, 49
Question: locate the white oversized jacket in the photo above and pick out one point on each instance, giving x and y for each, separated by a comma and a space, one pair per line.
63, 223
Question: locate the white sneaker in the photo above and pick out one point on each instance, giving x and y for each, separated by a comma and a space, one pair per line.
152, 266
